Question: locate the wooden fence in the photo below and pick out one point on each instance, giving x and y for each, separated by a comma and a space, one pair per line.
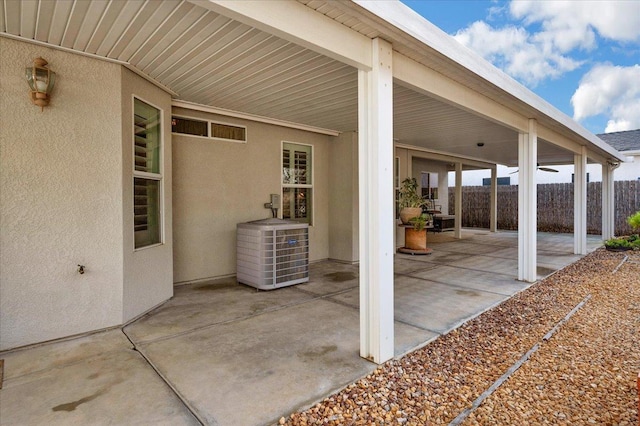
555, 206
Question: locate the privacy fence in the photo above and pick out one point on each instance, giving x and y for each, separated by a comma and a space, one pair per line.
555, 206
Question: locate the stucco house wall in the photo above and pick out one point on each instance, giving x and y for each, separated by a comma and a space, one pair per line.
218, 184
60, 198
629, 170
429, 166
147, 272
66, 198
343, 198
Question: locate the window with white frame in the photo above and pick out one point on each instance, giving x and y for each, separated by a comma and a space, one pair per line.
147, 174
208, 129
297, 182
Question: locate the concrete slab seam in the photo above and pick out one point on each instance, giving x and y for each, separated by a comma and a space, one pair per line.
437, 333
204, 327
453, 285
59, 340
175, 391
341, 303
323, 296
471, 269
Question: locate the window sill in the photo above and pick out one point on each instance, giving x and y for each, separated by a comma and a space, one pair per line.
148, 247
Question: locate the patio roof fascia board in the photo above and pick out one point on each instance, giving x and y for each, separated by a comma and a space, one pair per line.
299, 24
445, 156
434, 84
555, 138
93, 56
418, 28
592, 155
252, 117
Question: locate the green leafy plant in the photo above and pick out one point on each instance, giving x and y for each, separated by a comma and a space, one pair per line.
420, 222
630, 242
634, 220
408, 194
618, 243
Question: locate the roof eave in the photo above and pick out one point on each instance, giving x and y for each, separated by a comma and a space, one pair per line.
415, 26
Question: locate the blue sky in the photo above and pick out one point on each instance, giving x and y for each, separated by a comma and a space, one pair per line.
583, 57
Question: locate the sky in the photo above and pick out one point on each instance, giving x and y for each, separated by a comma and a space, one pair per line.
583, 57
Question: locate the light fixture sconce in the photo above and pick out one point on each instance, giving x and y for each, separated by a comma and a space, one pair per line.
41, 80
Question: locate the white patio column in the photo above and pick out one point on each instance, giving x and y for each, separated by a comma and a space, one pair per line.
608, 202
580, 202
457, 230
527, 203
375, 161
493, 200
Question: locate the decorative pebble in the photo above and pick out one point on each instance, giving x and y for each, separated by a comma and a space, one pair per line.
585, 374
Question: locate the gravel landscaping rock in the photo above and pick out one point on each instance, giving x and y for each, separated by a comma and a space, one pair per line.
584, 374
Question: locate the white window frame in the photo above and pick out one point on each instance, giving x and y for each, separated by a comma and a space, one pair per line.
310, 186
194, 119
159, 177
209, 122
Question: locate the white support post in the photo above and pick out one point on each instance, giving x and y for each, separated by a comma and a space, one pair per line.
527, 203
580, 202
608, 202
493, 201
457, 230
375, 161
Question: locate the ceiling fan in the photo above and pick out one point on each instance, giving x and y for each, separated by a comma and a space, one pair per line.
544, 169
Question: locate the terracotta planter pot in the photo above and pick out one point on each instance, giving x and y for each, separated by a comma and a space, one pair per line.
415, 240
408, 213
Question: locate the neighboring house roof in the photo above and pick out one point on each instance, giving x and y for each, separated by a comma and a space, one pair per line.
623, 141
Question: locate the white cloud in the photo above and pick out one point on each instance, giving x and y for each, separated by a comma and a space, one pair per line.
570, 23
515, 51
543, 47
562, 27
613, 91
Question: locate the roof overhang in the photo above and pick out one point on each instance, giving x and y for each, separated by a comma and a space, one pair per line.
296, 63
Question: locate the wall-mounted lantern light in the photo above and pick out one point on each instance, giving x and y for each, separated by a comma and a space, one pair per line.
41, 80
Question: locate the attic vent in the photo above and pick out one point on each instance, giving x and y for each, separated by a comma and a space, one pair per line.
208, 129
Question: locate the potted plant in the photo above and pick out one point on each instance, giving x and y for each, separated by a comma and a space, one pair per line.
416, 238
410, 202
630, 242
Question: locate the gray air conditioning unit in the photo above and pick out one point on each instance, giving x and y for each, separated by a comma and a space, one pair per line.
272, 253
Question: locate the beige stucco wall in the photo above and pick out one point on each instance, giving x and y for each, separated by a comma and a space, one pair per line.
425, 165
217, 185
148, 272
343, 198
60, 198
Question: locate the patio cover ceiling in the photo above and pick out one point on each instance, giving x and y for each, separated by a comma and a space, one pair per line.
205, 58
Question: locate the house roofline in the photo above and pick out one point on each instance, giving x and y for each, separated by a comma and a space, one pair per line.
414, 26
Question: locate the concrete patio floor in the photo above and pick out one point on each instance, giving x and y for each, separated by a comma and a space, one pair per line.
221, 353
